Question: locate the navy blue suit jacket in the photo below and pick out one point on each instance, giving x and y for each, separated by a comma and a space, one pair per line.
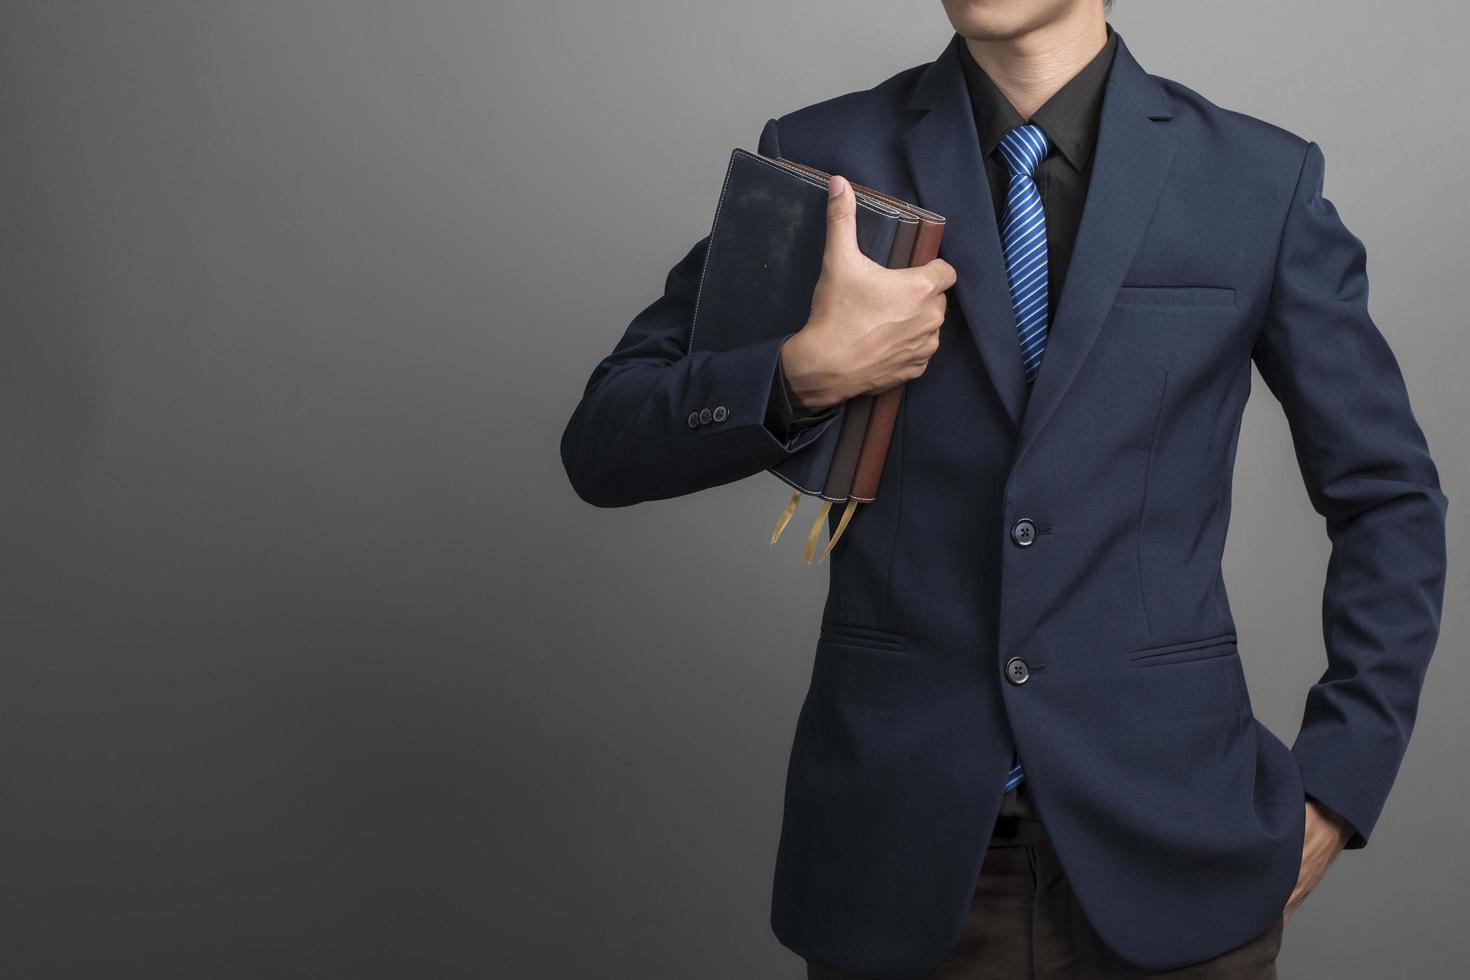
1205, 245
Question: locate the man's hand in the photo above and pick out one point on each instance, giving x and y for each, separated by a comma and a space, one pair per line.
870, 327
1325, 836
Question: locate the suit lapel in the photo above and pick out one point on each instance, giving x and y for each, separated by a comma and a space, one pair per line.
943, 152
1131, 162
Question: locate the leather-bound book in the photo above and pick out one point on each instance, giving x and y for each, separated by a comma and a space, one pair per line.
873, 417
760, 269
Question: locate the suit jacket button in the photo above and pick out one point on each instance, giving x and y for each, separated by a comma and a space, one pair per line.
721, 413
693, 419
1023, 532
1017, 670
705, 415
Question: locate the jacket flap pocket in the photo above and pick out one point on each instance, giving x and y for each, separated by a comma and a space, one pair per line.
862, 636
1175, 296
1222, 645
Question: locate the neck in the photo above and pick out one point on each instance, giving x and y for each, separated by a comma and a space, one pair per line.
1028, 68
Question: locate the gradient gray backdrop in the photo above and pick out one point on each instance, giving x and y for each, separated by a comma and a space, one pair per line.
311, 663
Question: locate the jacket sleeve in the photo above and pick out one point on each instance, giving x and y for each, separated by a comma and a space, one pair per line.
782, 417
656, 421
1368, 472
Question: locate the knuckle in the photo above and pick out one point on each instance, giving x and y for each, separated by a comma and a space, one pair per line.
944, 274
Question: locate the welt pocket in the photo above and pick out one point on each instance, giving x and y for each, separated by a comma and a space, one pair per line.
848, 634
1175, 296
1206, 648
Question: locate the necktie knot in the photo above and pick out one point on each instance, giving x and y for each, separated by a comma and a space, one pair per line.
1023, 148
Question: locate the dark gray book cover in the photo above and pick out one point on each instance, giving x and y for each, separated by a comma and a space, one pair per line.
762, 264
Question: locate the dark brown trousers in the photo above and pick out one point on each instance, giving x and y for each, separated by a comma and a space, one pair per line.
1025, 923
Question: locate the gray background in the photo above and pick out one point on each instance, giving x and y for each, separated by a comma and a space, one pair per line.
311, 663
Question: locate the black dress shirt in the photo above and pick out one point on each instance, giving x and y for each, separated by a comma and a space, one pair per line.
1070, 119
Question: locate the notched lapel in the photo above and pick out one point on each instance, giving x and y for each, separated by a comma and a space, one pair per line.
1130, 165
943, 154
1132, 159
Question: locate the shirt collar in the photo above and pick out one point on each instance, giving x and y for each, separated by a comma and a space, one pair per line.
1069, 117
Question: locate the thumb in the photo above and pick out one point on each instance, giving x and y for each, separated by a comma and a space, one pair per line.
841, 221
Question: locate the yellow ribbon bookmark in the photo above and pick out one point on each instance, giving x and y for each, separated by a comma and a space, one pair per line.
811, 539
785, 516
841, 526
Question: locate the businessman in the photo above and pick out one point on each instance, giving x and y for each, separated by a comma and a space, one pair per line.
1027, 747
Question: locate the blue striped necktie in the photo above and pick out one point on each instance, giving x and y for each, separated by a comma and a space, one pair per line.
1023, 239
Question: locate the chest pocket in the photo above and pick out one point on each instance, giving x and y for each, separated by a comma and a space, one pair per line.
1176, 297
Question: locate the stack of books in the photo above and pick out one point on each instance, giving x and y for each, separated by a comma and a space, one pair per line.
760, 269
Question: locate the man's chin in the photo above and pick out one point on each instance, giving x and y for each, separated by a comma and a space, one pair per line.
993, 35
996, 29
1004, 21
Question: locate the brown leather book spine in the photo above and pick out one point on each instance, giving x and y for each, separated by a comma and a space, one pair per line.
884, 414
